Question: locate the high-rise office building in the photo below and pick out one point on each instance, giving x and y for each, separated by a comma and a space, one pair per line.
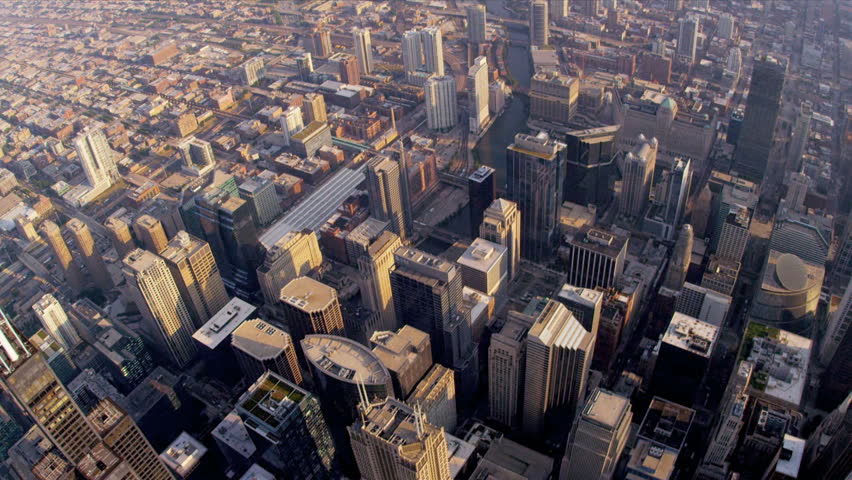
725, 435
433, 50
305, 65
55, 321
70, 270
197, 277
725, 28
292, 122
798, 184
558, 9
374, 279
838, 325
156, 295
293, 255
150, 233
441, 103
735, 234
762, 108
385, 187
262, 199
585, 304
591, 167
684, 357
436, 396
347, 66
311, 307
198, 156
120, 236
485, 267
252, 71
597, 258
674, 5
314, 108
260, 346
828, 452
556, 367
702, 303
670, 199
320, 42
393, 441
502, 225
363, 49
687, 39
539, 20
406, 353
598, 437
286, 419
535, 170
553, 97
477, 80
801, 135
96, 157
91, 257
506, 359
680, 260
481, 187
638, 178
476, 24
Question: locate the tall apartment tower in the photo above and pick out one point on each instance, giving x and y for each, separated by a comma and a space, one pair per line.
311, 307
262, 199
305, 64
96, 157
392, 441
687, 39
535, 169
156, 295
502, 224
293, 255
70, 270
260, 346
638, 178
481, 187
55, 322
363, 49
412, 51
91, 257
477, 77
680, 260
598, 437
151, 233
374, 278
441, 103
506, 358
120, 236
433, 50
292, 122
539, 23
385, 187
762, 108
350, 71
556, 367
197, 277
320, 43
314, 108
476, 24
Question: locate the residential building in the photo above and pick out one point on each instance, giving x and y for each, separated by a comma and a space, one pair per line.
363, 49
120, 236
55, 321
252, 71
478, 94
441, 103
96, 158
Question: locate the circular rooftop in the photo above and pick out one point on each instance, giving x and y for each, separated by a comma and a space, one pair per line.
791, 272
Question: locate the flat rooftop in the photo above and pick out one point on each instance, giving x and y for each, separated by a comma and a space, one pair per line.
223, 323
232, 432
269, 400
583, 296
260, 339
506, 459
344, 359
691, 334
666, 423
605, 408
307, 294
183, 454
781, 360
256, 472
482, 255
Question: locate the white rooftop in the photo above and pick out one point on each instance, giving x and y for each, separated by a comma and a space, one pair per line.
459, 452
796, 448
223, 323
784, 358
184, 454
256, 472
691, 334
232, 432
482, 255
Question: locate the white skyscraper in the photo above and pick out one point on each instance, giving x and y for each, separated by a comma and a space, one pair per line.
363, 49
441, 102
687, 40
502, 224
412, 51
433, 50
96, 157
476, 24
292, 122
478, 97
55, 321
638, 177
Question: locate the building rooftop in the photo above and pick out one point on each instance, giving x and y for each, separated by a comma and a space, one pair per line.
785, 272
344, 359
397, 349
539, 146
599, 240
653, 461
433, 384
395, 423
256, 472
780, 359
269, 401
223, 323
691, 334
556, 325
481, 173
666, 423
482, 255
139, 260
424, 263
584, 296
459, 453
605, 408
182, 246
184, 454
260, 339
308, 295
792, 452
506, 459
232, 432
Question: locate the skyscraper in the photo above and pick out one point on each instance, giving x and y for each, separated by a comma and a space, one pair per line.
535, 170
591, 166
96, 157
293, 255
553, 97
476, 24
502, 225
477, 76
481, 193
638, 178
762, 107
314, 107
672, 196
70, 270
585, 304
91, 257
684, 357
374, 268
484, 267
156, 295
54, 320
292, 122
801, 135
393, 441
151, 233
406, 353
412, 51
262, 199
384, 184
260, 346
305, 64
597, 258
680, 260
557, 366
198, 157
320, 42
506, 359
687, 39
311, 307
539, 23
836, 352
433, 50
441, 103
598, 437
119, 233
363, 49
197, 277
735, 234
436, 396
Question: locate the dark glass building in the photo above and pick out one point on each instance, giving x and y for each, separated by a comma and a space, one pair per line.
481, 192
591, 168
762, 107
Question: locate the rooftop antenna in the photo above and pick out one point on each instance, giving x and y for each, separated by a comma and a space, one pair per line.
418, 420
362, 396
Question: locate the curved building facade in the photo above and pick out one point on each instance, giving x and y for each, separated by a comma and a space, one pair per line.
789, 293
